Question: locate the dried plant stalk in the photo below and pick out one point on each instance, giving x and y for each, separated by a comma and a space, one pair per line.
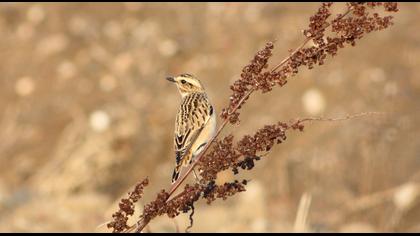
225, 154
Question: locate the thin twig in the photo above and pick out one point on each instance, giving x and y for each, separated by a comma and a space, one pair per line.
191, 219
347, 117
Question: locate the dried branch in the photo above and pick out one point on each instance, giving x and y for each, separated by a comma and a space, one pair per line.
225, 154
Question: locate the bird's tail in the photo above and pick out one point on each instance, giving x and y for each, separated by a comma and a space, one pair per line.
175, 175
184, 162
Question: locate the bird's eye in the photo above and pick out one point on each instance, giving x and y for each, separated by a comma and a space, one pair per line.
183, 81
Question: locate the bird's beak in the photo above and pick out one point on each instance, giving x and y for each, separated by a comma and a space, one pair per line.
170, 79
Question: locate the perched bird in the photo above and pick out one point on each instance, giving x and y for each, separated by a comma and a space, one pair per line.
195, 123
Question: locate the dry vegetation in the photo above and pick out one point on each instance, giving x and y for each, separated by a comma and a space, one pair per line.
86, 112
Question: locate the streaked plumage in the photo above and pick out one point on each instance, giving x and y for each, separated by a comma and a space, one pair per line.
195, 122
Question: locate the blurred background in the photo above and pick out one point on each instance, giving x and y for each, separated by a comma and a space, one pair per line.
86, 113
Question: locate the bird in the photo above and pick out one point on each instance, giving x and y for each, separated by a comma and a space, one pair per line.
195, 122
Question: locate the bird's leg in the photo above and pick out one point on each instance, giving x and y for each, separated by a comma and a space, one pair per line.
196, 177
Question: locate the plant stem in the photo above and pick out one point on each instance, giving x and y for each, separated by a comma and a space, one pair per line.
142, 222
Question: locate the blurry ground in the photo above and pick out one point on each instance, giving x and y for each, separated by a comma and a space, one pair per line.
86, 112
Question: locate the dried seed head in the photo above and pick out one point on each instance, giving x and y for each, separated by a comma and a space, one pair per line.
225, 154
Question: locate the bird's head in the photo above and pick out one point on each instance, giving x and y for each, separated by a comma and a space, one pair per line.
187, 84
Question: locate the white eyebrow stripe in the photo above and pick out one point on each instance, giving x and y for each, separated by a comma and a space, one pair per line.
186, 75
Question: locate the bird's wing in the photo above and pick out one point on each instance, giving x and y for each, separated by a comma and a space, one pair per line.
192, 117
